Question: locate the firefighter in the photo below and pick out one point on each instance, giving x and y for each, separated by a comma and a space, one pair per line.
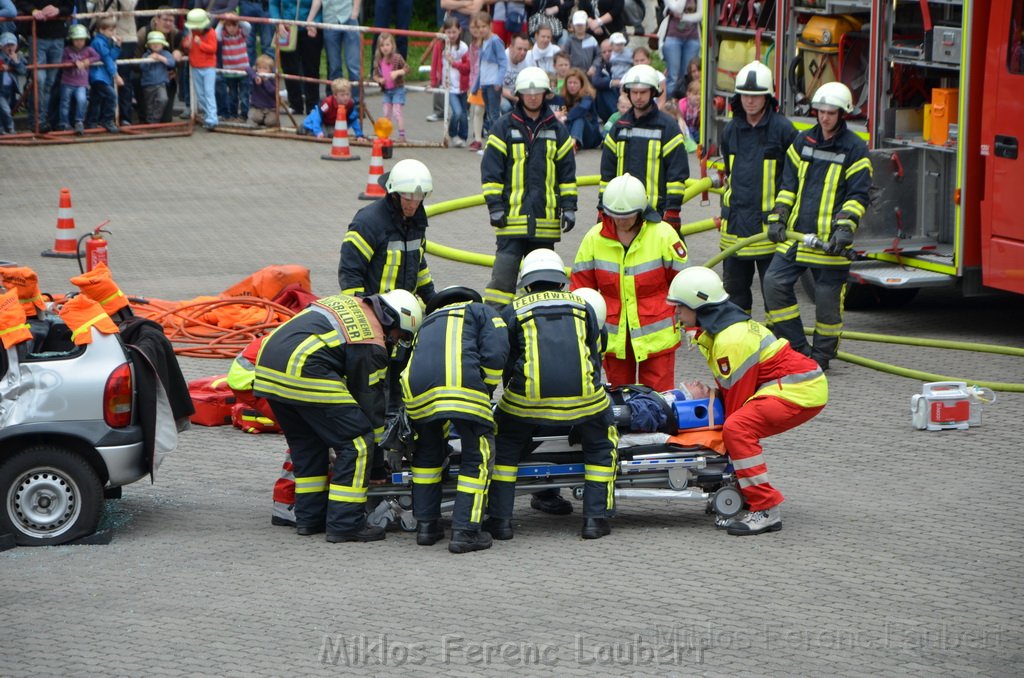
824, 191
323, 372
455, 366
765, 385
630, 258
553, 378
528, 174
754, 145
646, 143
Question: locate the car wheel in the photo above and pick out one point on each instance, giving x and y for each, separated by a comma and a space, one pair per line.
50, 496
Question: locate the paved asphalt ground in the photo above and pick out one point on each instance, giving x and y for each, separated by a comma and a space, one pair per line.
900, 554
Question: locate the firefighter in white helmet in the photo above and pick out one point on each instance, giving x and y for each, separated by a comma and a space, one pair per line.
647, 143
323, 372
765, 385
630, 258
753, 146
553, 377
826, 178
528, 174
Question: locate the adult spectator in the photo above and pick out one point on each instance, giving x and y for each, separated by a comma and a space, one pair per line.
516, 54
606, 95
304, 60
605, 17
681, 41
347, 45
397, 12
508, 18
462, 11
49, 49
262, 30
7, 11
580, 115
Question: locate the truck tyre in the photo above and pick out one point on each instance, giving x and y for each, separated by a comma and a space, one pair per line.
50, 496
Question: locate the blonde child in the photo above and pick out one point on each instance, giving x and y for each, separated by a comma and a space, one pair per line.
689, 110
622, 105
263, 101
449, 68
340, 102
389, 71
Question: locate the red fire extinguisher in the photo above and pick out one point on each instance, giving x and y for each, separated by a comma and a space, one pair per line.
95, 248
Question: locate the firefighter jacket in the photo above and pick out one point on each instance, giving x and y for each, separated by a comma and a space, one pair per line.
384, 251
553, 373
333, 353
242, 372
456, 363
748, 361
754, 159
821, 179
529, 173
651, 149
634, 282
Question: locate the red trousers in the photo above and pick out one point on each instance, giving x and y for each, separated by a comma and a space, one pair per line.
742, 433
657, 371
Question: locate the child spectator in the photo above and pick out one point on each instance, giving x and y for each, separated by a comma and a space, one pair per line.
582, 47
623, 105
321, 119
692, 73
642, 55
201, 44
563, 64
389, 71
491, 68
74, 78
621, 58
450, 69
156, 75
580, 113
11, 66
543, 53
263, 104
233, 88
689, 112
103, 77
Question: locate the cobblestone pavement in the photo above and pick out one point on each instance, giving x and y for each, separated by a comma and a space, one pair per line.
893, 560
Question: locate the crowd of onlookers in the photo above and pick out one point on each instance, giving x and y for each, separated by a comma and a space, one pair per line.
584, 46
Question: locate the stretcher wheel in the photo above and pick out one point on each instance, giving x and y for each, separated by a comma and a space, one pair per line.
577, 492
726, 502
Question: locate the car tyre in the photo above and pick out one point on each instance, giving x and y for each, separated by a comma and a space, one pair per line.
51, 496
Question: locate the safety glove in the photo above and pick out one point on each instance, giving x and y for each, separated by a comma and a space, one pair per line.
672, 218
842, 234
498, 219
777, 221
568, 220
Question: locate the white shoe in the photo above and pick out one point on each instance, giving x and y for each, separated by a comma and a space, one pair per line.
433, 117
756, 522
459, 142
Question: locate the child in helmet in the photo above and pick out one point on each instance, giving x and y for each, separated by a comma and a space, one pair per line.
201, 44
74, 82
155, 76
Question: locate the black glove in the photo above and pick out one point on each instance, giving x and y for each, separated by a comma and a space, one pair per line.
498, 219
776, 228
842, 236
568, 220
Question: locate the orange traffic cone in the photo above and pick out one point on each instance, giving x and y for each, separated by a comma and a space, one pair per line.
64, 244
373, 189
339, 144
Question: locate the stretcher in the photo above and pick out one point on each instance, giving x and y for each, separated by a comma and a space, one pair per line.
683, 461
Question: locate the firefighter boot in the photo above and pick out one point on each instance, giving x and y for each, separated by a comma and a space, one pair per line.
368, 533
595, 528
756, 522
428, 532
464, 541
550, 501
499, 528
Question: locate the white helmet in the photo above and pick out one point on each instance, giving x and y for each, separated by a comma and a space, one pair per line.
197, 19
542, 265
596, 301
533, 80
696, 286
755, 79
642, 75
406, 306
410, 176
833, 96
624, 195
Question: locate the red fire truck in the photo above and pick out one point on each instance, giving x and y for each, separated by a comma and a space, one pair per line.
939, 86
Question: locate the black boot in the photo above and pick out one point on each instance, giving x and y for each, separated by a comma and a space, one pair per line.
428, 532
595, 528
499, 528
368, 533
307, 530
550, 501
464, 541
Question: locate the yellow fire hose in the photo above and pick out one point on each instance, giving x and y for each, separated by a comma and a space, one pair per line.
695, 188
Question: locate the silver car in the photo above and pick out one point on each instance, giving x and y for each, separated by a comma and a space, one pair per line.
68, 433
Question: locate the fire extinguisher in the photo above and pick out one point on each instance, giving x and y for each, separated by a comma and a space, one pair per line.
95, 248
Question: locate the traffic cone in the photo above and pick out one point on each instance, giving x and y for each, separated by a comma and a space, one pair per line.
339, 144
65, 244
373, 189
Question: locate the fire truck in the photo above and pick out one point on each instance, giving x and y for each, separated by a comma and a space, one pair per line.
939, 90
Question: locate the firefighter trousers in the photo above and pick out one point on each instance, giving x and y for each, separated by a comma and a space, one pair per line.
474, 470
502, 288
339, 504
784, 312
738, 275
742, 433
513, 443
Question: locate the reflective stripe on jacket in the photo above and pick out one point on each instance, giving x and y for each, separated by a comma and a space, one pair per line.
634, 283
651, 149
